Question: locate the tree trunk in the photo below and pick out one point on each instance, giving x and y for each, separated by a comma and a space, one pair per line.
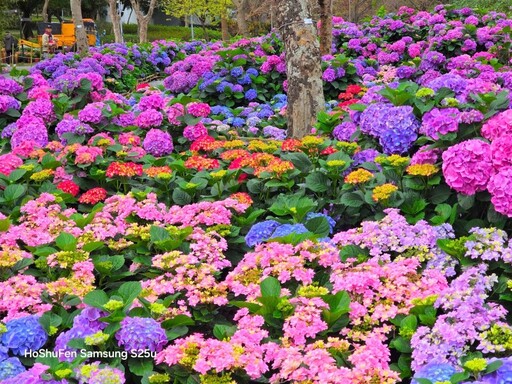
116, 20
224, 28
45, 10
325, 8
82, 45
303, 68
143, 20
241, 16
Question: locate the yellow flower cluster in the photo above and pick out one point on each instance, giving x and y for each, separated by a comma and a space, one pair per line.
312, 141
312, 291
218, 174
42, 175
335, 163
263, 146
234, 144
393, 160
348, 147
422, 170
113, 305
359, 176
225, 378
66, 259
476, 365
98, 338
159, 378
383, 192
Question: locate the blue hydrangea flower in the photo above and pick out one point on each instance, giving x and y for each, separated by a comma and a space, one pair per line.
287, 229
244, 80
434, 372
24, 334
10, 367
141, 333
252, 72
238, 122
330, 220
503, 375
237, 72
260, 232
251, 94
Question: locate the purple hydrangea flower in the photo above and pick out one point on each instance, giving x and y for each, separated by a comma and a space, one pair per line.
141, 333
440, 122
158, 143
344, 131
71, 125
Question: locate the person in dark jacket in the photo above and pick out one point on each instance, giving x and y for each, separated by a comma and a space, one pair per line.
11, 45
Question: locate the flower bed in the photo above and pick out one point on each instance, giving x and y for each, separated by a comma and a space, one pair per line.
176, 234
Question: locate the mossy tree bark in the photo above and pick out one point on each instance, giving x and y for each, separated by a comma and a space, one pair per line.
303, 65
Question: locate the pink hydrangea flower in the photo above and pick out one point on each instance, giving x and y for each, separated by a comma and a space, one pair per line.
467, 166
498, 125
500, 187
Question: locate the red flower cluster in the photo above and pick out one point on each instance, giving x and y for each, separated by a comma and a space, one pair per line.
124, 169
93, 196
69, 187
205, 143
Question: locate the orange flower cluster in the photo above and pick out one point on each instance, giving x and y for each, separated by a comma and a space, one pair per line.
206, 143
158, 171
124, 169
200, 163
242, 197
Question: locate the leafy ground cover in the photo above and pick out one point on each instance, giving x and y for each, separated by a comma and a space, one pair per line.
176, 234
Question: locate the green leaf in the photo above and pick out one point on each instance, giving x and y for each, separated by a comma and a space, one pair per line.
13, 192
129, 291
92, 246
317, 182
466, 202
458, 377
5, 224
178, 321
410, 322
319, 226
176, 332
493, 366
140, 366
50, 319
66, 241
270, 287
351, 199
17, 174
223, 331
158, 234
300, 160
253, 307
96, 299
181, 197
401, 345
423, 381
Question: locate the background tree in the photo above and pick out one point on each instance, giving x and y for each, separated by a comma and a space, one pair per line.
143, 19
325, 16
205, 10
116, 20
82, 45
242, 10
303, 69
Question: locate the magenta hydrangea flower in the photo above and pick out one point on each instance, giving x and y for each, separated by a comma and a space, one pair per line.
500, 187
467, 166
158, 143
199, 109
194, 132
92, 113
498, 125
501, 151
149, 118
